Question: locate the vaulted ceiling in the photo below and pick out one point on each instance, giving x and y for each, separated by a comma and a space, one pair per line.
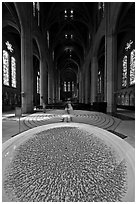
70, 26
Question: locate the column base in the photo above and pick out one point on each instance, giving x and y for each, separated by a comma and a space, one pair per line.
27, 108
111, 109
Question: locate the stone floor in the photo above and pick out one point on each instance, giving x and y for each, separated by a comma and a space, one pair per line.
10, 124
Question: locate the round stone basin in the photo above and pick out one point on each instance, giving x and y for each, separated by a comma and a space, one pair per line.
68, 162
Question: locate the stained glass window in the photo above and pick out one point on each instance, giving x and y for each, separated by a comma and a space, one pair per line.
36, 11
128, 69
9, 66
101, 7
65, 87
72, 86
34, 7
124, 72
128, 45
99, 82
68, 14
38, 6
9, 46
38, 84
71, 14
13, 72
68, 86
65, 14
5, 68
132, 67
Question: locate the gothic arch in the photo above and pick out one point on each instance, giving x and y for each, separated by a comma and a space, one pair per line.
121, 12
39, 41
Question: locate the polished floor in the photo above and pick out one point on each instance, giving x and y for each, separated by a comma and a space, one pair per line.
125, 127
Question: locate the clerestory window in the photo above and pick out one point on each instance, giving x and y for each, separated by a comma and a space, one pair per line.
36, 11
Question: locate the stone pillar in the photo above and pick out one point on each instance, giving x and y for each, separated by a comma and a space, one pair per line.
50, 87
43, 81
58, 86
105, 73
76, 87
55, 85
27, 64
111, 62
83, 86
80, 88
34, 86
54, 81
94, 75
87, 86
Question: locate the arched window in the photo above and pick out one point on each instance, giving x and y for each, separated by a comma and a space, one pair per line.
5, 68
72, 85
128, 67
101, 8
99, 82
13, 72
9, 66
68, 14
36, 11
124, 72
65, 86
34, 8
69, 86
132, 67
38, 82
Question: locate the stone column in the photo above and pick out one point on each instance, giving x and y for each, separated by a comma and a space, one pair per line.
76, 87
35, 86
94, 75
50, 87
111, 62
58, 87
27, 64
80, 88
83, 86
55, 86
87, 86
43, 81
